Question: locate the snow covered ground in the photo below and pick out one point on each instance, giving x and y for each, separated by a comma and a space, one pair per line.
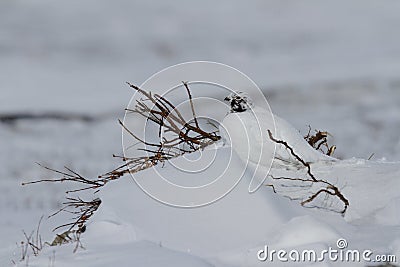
334, 66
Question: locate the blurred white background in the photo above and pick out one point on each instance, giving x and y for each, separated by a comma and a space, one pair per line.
78, 54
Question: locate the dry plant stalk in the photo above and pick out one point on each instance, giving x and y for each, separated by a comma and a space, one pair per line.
327, 187
319, 140
69, 236
185, 136
161, 111
82, 210
71, 176
32, 241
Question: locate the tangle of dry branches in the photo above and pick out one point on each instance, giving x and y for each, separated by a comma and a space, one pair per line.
183, 136
82, 210
319, 140
323, 185
177, 135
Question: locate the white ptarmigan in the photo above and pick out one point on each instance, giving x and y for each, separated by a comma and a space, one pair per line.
246, 127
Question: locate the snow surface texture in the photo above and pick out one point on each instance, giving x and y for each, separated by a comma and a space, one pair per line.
332, 65
231, 231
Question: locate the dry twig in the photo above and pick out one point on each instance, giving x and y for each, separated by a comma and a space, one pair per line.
82, 210
319, 140
177, 137
32, 241
71, 176
328, 188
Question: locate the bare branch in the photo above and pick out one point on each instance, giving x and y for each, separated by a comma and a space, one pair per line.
328, 188
306, 164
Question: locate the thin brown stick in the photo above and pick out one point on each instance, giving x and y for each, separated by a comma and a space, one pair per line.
306, 164
82, 209
191, 104
329, 186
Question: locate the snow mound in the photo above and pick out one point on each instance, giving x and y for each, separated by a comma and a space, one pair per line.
133, 229
247, 132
